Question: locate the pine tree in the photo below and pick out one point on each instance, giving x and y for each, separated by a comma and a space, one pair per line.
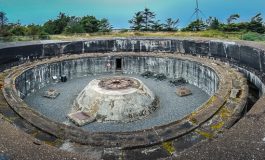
137, 21
232, 18
143, 20
3, 19
171, 25
148, 19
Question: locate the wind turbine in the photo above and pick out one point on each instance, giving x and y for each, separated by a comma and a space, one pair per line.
197, 11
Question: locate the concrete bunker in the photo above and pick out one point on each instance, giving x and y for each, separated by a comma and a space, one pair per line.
201, 79
195, 122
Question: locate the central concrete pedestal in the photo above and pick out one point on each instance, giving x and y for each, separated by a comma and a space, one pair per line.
121, 99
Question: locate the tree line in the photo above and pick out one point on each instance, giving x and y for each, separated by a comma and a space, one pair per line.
145, 21
255, 24
63, 24
141, 21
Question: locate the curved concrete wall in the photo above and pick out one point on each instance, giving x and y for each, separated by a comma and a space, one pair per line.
194, 72
247, 55
142, 138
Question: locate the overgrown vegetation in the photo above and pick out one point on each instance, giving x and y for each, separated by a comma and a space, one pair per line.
63, 24
256, 25
251, 36
143, 23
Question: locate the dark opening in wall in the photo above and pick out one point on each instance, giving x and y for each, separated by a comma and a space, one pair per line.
253, 96
118, 64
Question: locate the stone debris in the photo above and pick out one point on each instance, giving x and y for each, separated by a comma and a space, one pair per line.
183, 91
178, 81
147, 74
160, 77
157, 76
55, 79
234, 93
81, 118
51, 93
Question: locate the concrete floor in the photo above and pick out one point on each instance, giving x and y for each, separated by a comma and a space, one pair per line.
172, 107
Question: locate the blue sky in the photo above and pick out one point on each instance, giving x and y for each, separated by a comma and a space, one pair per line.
120, 11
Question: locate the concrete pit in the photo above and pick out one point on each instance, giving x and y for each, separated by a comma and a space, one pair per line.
145, 72
96, 101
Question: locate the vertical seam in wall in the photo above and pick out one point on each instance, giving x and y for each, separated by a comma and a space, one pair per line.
260, 62
239, 51
43, 47
209, 51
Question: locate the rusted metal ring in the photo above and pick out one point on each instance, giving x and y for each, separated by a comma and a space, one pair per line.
118, 83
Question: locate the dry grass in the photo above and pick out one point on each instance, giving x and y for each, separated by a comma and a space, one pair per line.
209, 33
206, 34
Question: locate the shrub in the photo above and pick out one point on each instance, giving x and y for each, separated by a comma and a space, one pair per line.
44, 36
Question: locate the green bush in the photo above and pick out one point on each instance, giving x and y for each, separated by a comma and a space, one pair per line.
44, 36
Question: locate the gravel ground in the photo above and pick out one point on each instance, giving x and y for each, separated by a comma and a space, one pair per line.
172, 107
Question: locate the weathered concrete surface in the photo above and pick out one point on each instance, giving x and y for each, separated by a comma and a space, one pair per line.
152, 136
193, 72
245, 140
108, 104
247, 53
238, 139
16, 145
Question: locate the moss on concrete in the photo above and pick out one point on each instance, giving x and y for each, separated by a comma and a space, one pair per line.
217, 126
225, 113
210, 101
168, 146
193, 120
205, 134
56, 143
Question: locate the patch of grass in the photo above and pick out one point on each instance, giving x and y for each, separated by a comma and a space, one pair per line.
24, 38
57, 142
250, 36
10, 119
217, 126
168, 146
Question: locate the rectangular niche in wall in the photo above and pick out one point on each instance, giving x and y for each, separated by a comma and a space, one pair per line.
118, 64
